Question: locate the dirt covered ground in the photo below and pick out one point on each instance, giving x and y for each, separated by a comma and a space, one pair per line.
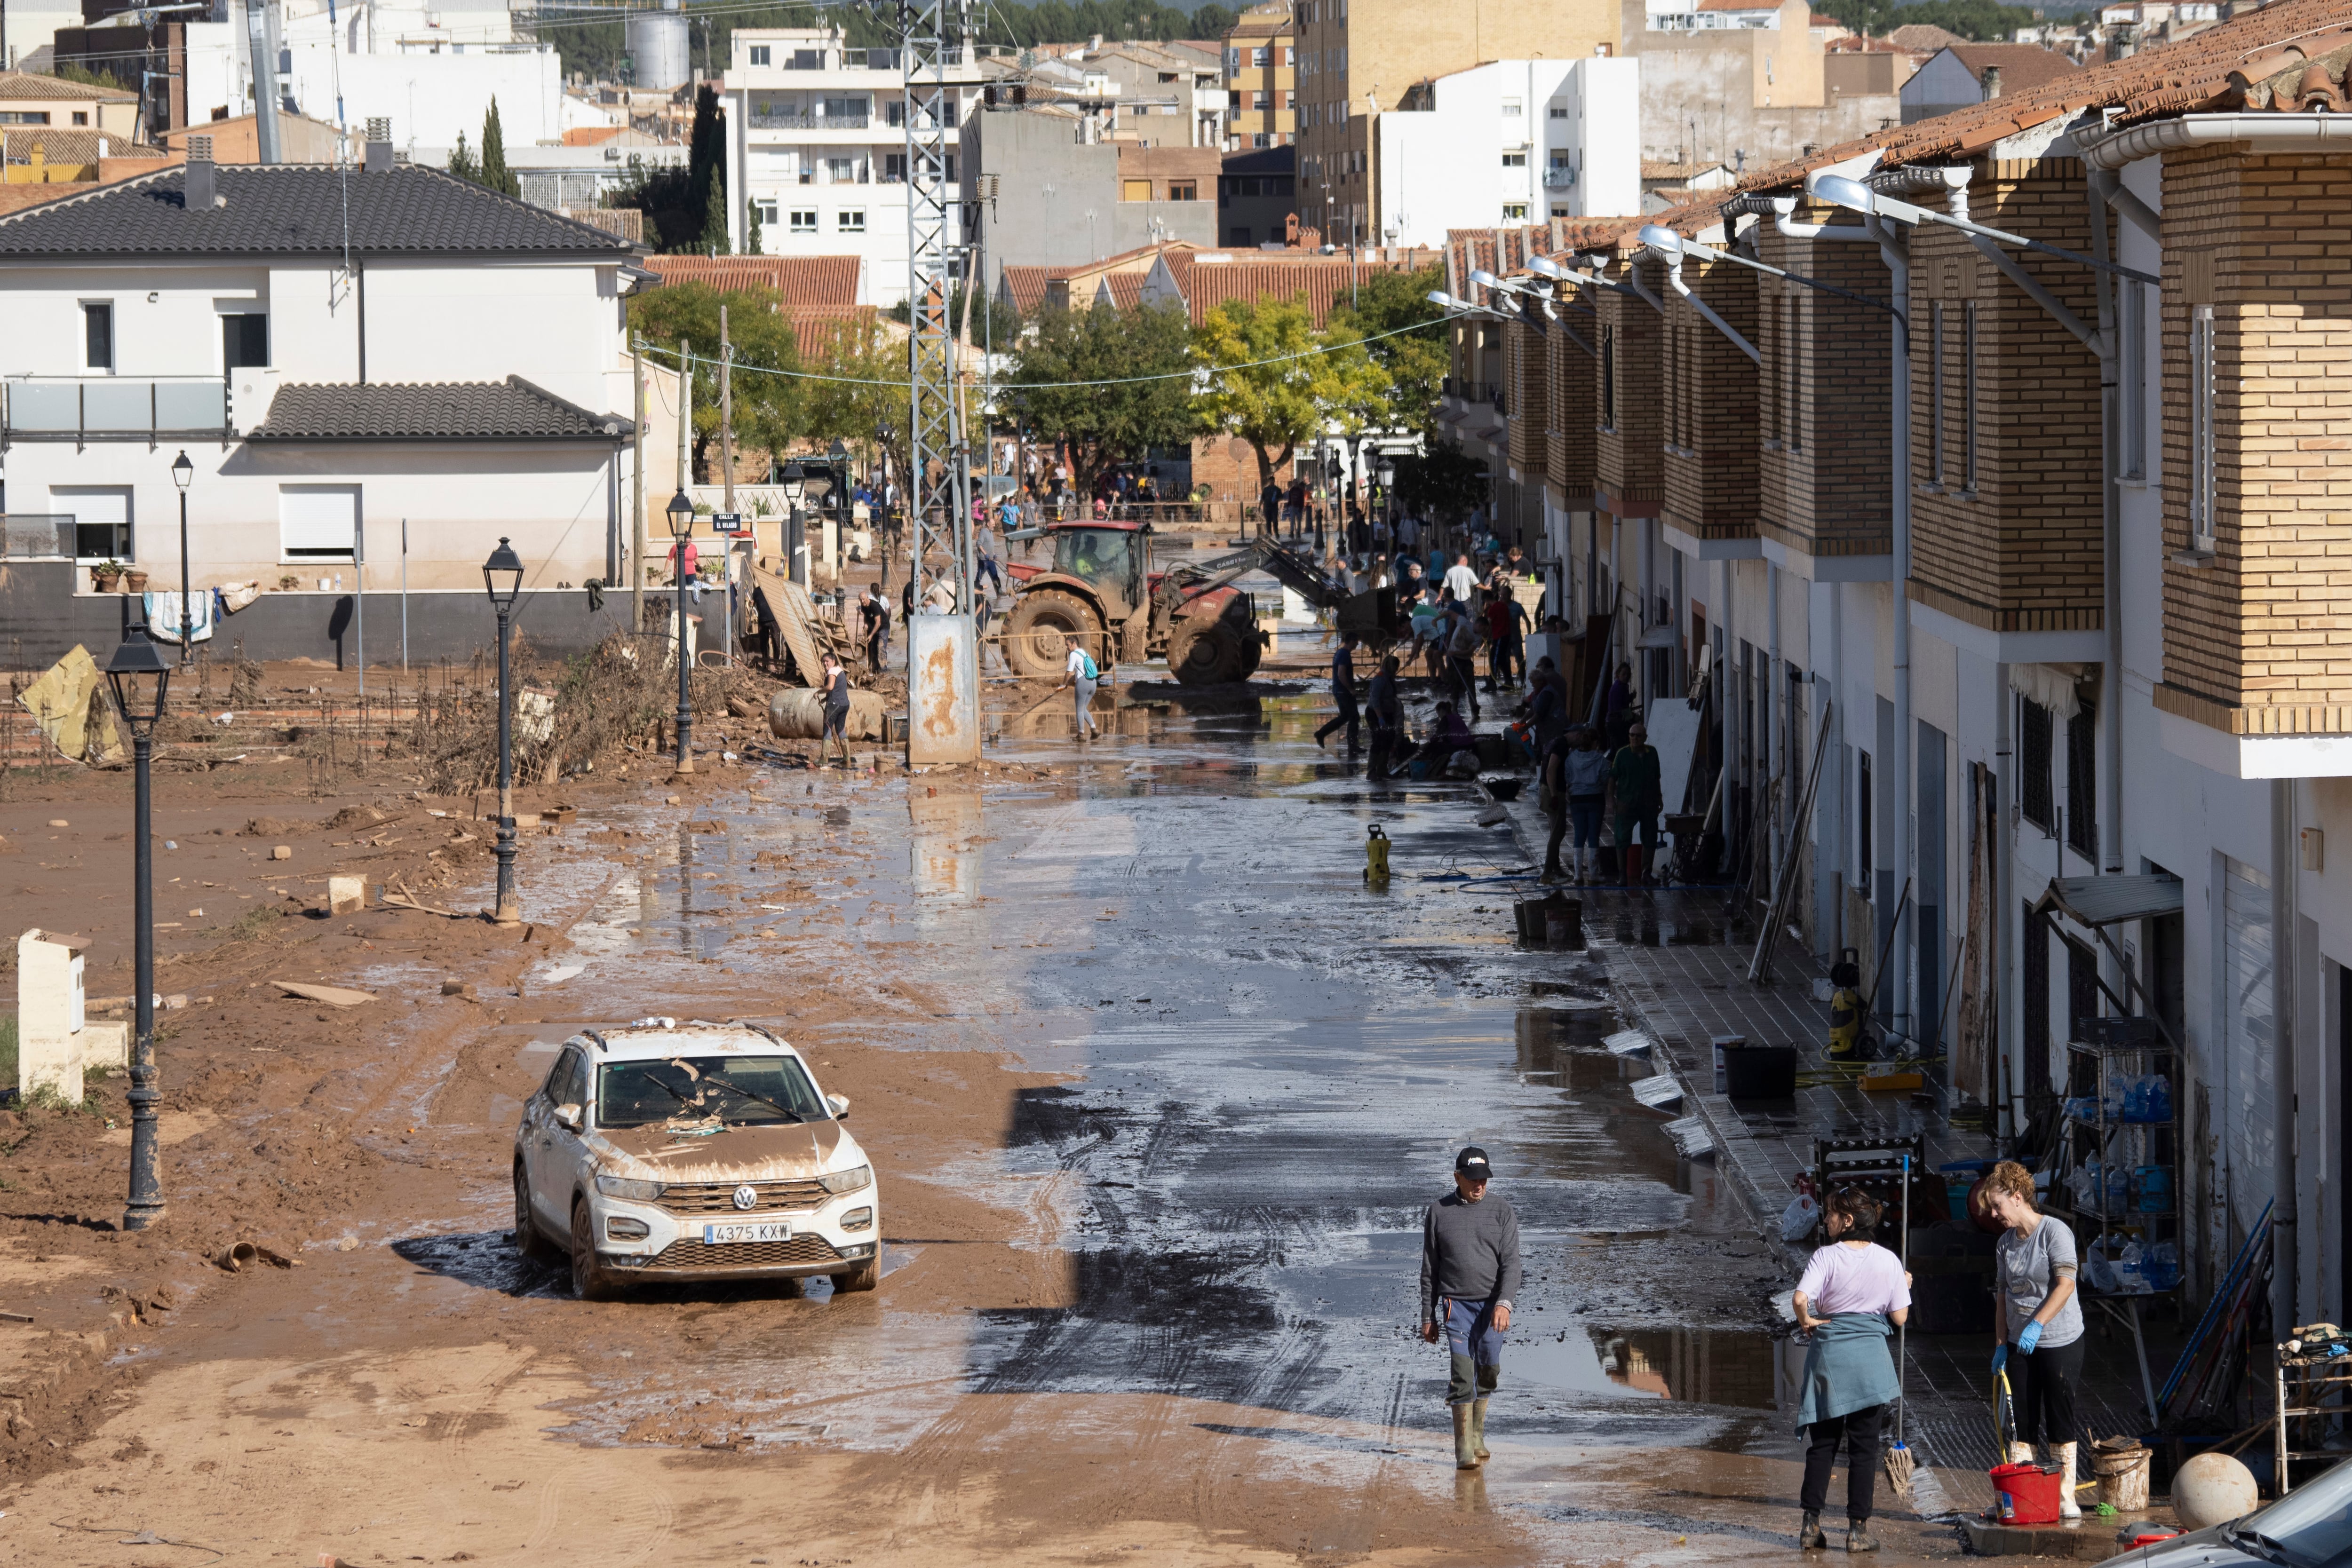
1088, 1345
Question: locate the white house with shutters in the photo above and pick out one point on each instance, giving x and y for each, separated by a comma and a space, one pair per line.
350, 358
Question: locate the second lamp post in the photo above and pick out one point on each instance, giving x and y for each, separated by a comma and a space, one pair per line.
502, 575
141, 679
681, 526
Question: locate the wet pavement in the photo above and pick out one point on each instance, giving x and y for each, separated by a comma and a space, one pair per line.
1270, 1063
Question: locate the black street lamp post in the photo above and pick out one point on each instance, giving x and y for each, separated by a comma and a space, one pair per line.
140, 677
502, 575
181, 472
681, 523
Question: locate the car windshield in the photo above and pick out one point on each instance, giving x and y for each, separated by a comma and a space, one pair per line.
1095, 554
2313, 1522
706, 1092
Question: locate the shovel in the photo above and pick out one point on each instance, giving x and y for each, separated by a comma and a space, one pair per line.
1898, 1456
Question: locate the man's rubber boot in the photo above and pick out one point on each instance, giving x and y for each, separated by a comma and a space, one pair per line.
2021, 1453
1859, 1539
1478, 1430
1809, 1537
2067, 1507
1466, 1455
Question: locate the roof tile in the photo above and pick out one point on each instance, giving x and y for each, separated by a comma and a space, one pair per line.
294, 209
800, 280
511, 409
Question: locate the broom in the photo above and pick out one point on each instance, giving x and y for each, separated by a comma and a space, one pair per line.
1898, 1455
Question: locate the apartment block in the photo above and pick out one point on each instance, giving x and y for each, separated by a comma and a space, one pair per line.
1358, 59
1262, 80
816, 146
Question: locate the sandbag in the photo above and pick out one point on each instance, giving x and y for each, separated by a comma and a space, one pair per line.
797, 713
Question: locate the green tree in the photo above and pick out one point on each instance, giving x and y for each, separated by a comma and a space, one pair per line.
495, 172
706, 164
1983, 21
714, 218
462, 164
861, 400
1415, 358
1441, 482
770, 410
1316, 382
753, 244
1105, 424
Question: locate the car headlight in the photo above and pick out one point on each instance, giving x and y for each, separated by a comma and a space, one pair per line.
849, 1180
858, 1218
622, 1186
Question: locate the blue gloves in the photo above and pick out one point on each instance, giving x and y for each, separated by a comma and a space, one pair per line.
1999, 1357
2029, 1338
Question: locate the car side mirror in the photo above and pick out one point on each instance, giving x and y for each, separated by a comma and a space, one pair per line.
569, 1114
839, 1104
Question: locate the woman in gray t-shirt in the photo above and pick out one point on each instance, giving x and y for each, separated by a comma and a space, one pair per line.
2038, 1322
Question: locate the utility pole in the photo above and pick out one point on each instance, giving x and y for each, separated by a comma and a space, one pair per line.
942, 651
684, 477
637, 488
726, 473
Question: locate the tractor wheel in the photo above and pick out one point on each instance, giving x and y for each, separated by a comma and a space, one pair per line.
1200, 654
1252, 650
1039, 632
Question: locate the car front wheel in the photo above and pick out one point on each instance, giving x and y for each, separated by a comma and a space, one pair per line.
590, 1281
526, 1239
864, 1277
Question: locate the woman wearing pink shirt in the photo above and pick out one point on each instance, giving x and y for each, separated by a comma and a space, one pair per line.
1853, 1296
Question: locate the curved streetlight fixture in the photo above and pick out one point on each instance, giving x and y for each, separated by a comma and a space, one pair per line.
681, 513
502, 578
141, 679
184, 471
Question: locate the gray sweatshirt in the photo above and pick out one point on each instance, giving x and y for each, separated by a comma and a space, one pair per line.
1469, 1250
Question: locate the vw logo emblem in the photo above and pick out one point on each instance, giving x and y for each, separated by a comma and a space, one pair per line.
747, 1197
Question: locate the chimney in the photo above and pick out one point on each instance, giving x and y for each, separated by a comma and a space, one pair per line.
196, 180
1991, 80
379, 145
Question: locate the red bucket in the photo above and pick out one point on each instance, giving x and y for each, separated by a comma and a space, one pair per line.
2025, 1494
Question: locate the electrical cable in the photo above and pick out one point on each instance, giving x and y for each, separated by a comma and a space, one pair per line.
1190, 374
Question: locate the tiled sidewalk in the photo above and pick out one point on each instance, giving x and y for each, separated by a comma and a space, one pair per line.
1682, 978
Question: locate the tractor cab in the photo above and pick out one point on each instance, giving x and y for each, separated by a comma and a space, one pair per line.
1110, 558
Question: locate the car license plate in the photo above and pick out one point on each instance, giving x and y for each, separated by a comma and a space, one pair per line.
762, 1230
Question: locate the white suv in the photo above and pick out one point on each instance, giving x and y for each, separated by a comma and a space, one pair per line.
692, 1151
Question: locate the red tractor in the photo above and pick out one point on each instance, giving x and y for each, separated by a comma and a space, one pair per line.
1102, 594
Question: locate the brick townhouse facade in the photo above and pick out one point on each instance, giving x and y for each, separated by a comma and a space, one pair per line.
2115, 654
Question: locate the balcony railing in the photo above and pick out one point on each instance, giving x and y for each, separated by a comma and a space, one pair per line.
116, 408
804, 119
1557, 179
36, 536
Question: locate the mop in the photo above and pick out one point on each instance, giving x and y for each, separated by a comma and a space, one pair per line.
1898, 1455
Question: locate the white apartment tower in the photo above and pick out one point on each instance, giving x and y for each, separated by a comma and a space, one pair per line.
817, 146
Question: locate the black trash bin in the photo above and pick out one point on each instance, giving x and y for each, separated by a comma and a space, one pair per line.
1760, 1071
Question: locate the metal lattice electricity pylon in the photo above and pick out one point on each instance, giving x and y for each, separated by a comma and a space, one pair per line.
934, 34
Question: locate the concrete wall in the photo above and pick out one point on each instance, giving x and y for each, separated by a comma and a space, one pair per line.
1744, 96
1047, 183
44, 619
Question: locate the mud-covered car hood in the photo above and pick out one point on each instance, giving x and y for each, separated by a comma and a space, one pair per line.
780, 1153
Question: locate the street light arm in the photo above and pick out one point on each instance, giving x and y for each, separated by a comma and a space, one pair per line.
1671, 253
1854, 195
1902, 322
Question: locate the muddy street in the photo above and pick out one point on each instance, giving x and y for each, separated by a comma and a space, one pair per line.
1155, 1085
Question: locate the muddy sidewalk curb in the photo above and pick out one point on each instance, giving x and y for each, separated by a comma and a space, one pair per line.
1738, 1153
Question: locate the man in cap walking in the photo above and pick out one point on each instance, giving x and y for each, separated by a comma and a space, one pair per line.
1469, 1273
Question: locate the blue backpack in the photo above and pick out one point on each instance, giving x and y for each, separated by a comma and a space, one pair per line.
1092, 672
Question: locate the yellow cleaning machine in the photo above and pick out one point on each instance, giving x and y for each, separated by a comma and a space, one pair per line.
1376, 854
1848, 1012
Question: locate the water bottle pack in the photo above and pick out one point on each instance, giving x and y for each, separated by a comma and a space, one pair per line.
2130, 1097
2133, 1270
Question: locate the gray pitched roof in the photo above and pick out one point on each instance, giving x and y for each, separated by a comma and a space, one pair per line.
511, 409
297, 209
